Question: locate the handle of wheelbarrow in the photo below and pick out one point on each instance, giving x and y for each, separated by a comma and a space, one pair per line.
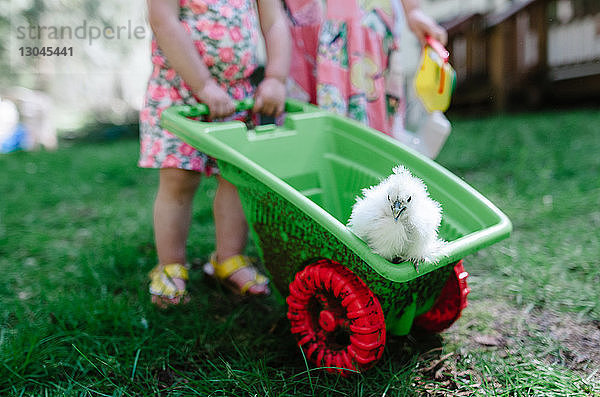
202, 109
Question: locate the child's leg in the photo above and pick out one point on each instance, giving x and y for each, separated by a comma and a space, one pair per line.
232, 232
172, 217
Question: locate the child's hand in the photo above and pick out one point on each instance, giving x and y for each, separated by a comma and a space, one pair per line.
219, 103
270, 97
421, 25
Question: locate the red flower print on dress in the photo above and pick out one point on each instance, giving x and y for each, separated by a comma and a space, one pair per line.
217, 31
238, 92
197, 163
203, 25
171, 161
200, 46
186, 27
226, 12
236, 3
157, 92
186, 149
147, 162
145, 115
170, 74
157, 60
246, 58
209, 60
226, 54
246, 22
156, 148
174, 94
231, 71
236, 34
198, 6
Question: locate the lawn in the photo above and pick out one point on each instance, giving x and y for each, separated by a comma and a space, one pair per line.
76, 245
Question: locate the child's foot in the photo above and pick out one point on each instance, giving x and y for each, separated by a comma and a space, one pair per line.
238, 274
167, 285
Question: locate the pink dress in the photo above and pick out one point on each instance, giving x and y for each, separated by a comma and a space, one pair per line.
340, 52
225, 33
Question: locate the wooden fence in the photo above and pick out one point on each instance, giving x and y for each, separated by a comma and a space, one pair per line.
534, 52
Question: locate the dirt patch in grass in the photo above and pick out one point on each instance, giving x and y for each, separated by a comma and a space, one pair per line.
530, 337
556, 338
580, 339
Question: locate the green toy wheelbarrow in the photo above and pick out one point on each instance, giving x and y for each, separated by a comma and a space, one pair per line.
298, 183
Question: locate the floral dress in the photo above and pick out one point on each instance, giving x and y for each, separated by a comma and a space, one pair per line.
340, 51
225, 33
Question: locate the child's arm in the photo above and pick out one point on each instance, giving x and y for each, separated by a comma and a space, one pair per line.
270, 95
183, 56
421, 24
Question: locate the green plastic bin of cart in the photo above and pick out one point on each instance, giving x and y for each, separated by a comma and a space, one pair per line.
298, 183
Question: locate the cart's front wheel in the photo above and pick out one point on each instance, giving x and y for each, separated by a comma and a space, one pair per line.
336, 318
449, 305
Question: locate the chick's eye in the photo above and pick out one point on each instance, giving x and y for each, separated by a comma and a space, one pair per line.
408, 199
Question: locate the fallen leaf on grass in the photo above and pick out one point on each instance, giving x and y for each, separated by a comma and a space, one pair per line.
489, 340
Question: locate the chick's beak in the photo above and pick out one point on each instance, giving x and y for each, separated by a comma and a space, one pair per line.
397, 209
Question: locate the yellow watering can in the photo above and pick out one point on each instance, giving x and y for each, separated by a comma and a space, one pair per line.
435, 78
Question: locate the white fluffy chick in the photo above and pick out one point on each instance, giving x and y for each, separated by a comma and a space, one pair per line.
398, 220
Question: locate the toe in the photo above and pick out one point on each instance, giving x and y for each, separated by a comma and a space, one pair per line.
247, 275
164, 302
259, 289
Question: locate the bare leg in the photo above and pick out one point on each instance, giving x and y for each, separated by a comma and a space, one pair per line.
172, 217
232, 232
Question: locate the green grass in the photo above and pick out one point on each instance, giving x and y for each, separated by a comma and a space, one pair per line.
76, 245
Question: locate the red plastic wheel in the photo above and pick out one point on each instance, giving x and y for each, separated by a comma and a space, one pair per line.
336, 318
449, 305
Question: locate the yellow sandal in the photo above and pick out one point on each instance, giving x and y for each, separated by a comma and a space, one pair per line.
162, 282
222, 271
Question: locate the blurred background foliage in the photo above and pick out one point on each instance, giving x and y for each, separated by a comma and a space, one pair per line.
102, 81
